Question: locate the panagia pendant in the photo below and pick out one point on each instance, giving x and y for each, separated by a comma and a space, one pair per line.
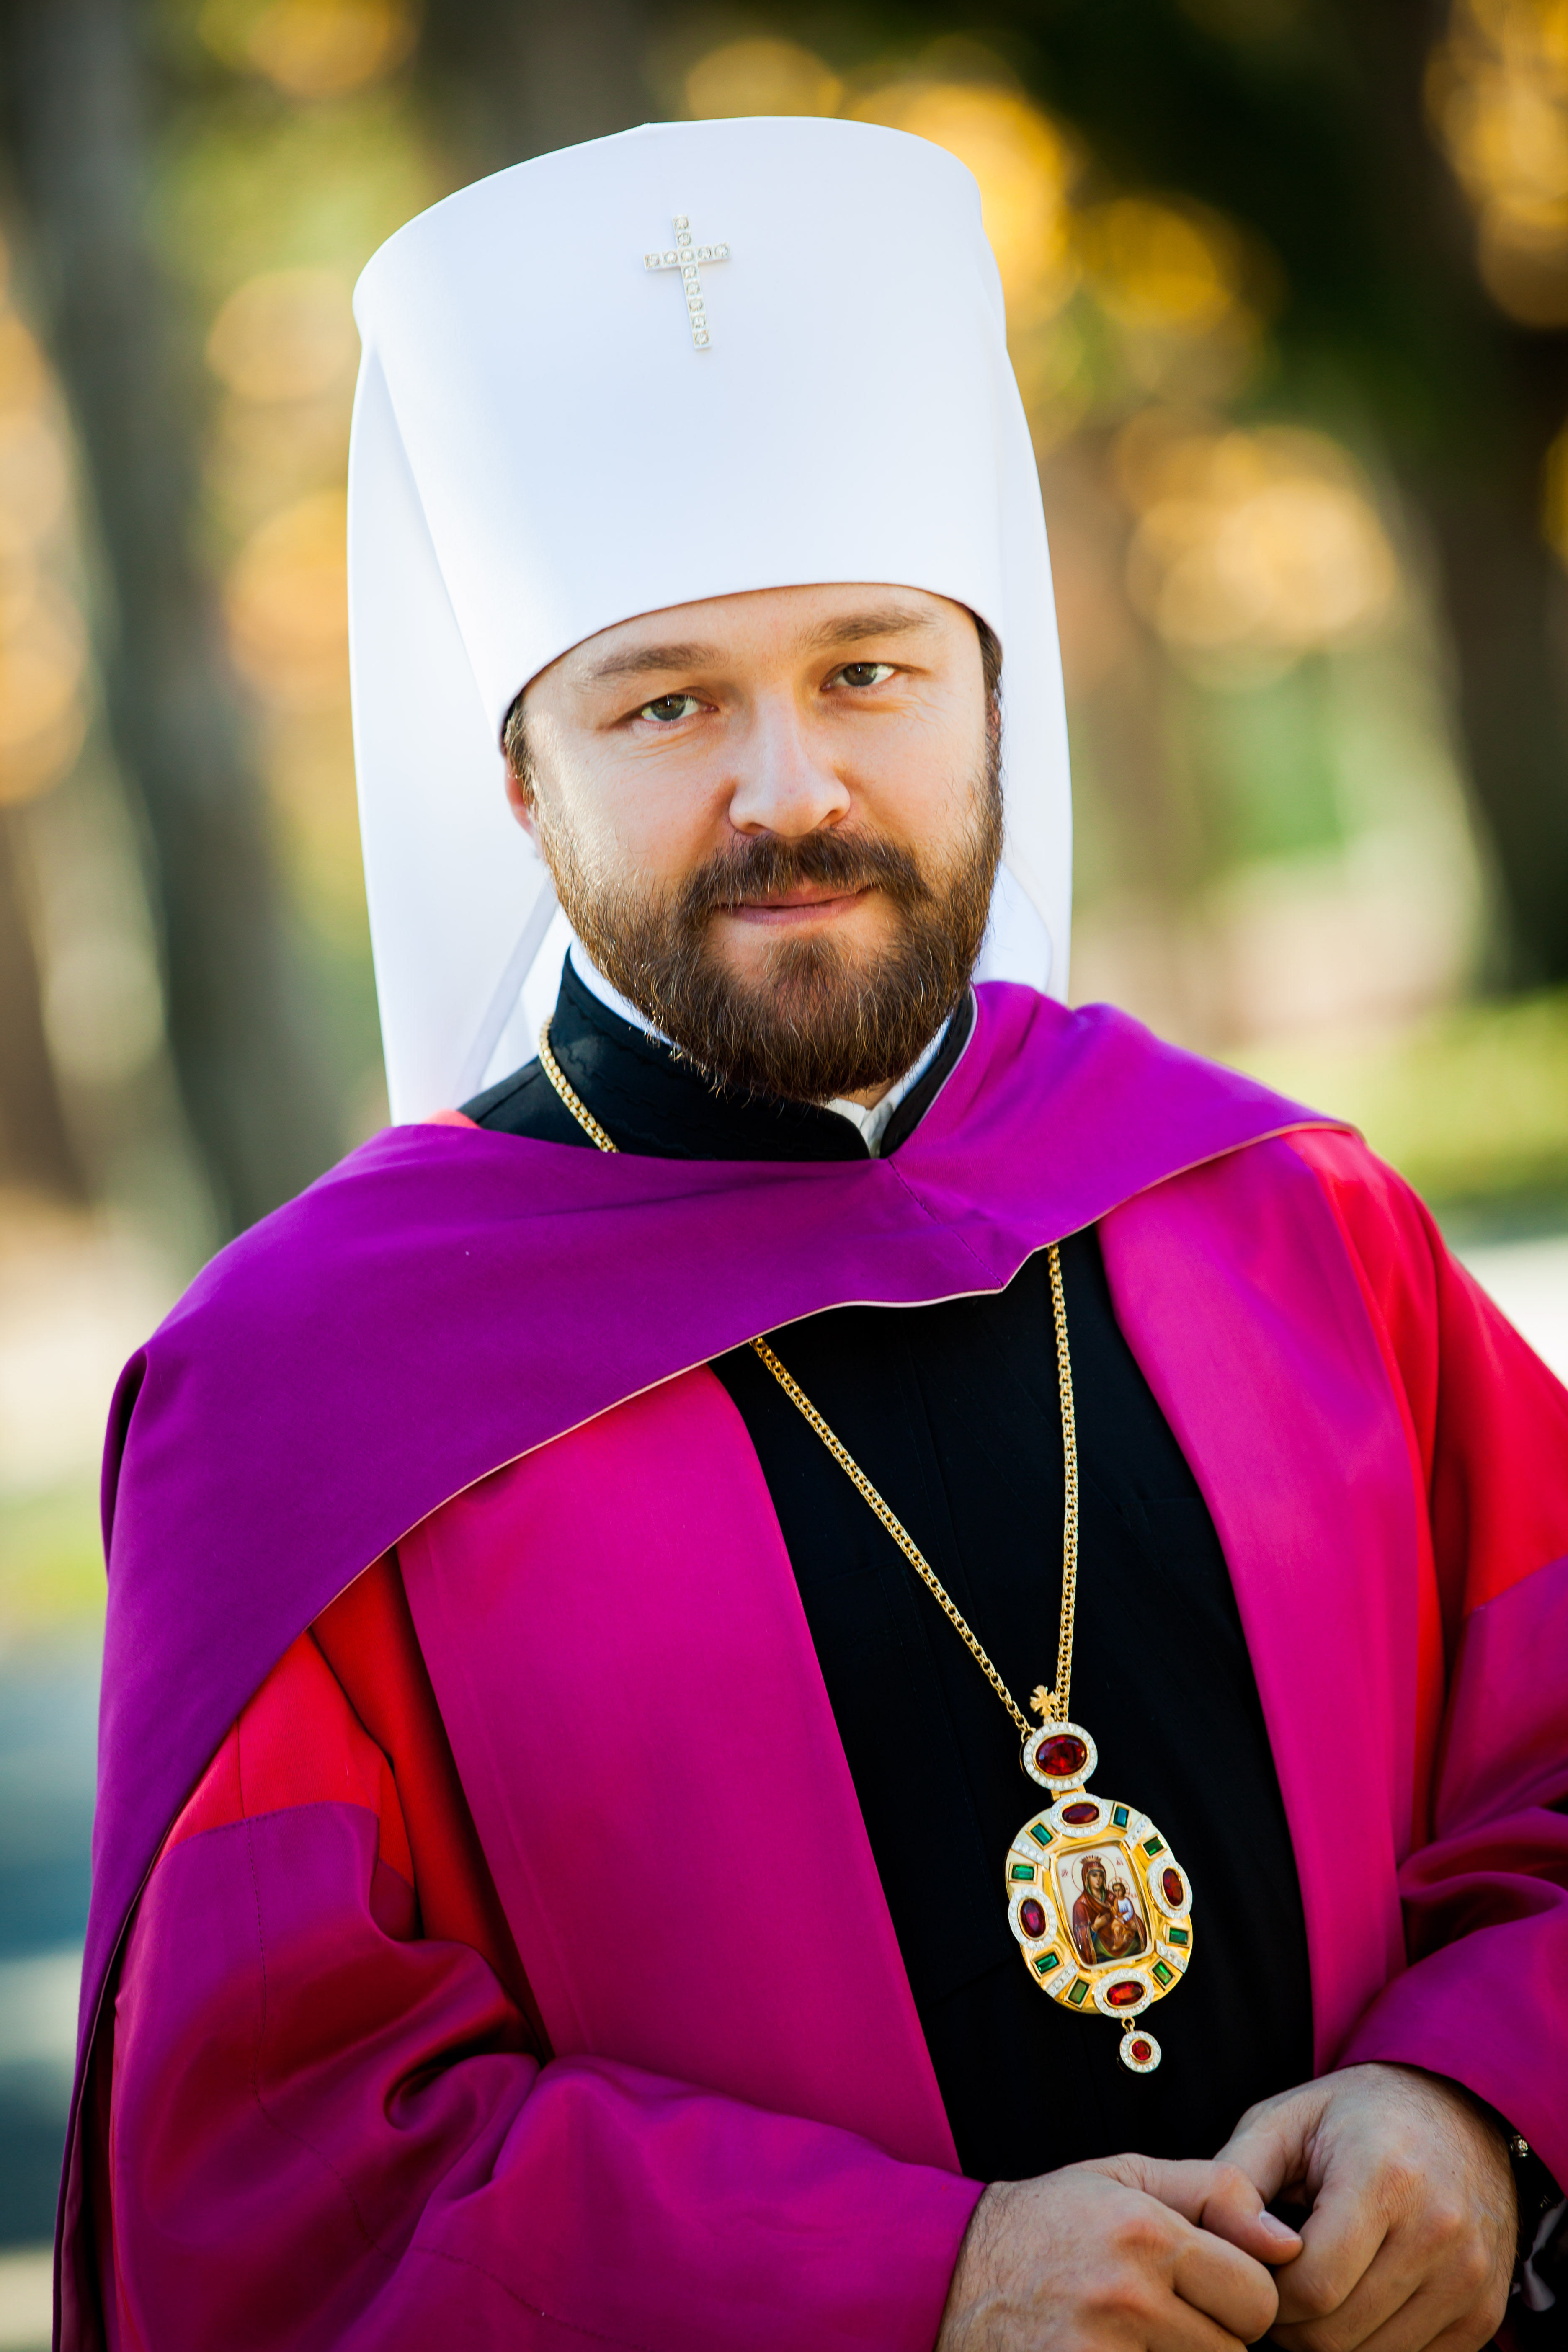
1099, 1902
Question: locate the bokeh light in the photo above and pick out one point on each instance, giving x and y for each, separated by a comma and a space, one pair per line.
1251, 548
286, 335
762, 75
1498, 98
287, 603
43, 637
1025, 166
1179, 285
311, 48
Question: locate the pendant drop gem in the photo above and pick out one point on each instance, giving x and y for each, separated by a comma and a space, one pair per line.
1101, 1906
1139, 2053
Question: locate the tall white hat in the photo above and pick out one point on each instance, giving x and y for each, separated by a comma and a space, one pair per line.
551, 436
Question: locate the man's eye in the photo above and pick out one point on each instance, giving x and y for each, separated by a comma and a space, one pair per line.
669, 708
866, 673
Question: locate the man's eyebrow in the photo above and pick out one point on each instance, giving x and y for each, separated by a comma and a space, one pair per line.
847, 629
639, 661
875, 620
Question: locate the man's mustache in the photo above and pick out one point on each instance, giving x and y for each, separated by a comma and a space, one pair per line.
769, 867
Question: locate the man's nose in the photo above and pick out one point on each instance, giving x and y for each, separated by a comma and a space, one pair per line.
786, 782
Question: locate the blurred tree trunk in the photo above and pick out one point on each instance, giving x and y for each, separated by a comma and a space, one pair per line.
36, 1147
1504, 596
522, 77
1478, 477
75, 121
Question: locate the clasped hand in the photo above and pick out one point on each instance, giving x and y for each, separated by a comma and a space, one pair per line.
1408, 2246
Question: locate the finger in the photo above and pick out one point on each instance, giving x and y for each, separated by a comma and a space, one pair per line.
1217, 2197
1398, 2307
1184, 2184
1177, 2327
1227, 2285
1340, 2242
1270, 2148
1476, 2328
1233, 2211
1418, 2325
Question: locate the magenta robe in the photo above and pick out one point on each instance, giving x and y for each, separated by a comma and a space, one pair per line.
328, 2122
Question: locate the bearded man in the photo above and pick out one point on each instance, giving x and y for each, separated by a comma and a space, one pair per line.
564, 1870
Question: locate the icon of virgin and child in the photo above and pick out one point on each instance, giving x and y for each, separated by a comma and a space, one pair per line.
1106, 1919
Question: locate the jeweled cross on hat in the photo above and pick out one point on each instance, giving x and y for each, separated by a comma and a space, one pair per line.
686, 257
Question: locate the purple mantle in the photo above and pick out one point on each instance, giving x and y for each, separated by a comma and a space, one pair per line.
447, 1299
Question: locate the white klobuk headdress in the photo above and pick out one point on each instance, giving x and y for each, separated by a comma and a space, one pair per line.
551, 434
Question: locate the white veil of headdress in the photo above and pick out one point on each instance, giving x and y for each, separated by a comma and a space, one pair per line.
541, 448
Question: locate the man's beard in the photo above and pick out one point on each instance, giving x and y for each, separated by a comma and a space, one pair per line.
818, 1021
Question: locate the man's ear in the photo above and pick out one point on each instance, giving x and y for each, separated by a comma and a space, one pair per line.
520, 803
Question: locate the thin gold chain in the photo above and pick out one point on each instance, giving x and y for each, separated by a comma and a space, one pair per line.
574, 1101
897, 1529
1049, 1705
1059, 1706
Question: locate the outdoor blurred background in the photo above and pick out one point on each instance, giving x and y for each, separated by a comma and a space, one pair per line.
1287, 285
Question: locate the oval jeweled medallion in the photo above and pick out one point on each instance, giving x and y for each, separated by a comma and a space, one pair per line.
1101, 1906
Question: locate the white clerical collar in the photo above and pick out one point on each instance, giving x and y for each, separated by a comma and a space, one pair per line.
871, 1124
594, 980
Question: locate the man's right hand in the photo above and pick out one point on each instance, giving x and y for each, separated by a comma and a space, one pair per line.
1113, 2256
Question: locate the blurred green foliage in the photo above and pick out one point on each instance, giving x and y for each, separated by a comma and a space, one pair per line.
51, 1562
1472, 1108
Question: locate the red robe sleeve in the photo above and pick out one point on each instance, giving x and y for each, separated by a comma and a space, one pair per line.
332, 2120
1485, 1884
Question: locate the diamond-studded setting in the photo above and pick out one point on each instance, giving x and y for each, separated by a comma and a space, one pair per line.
1077, 1815
1059, 1756
1033, 1917
1139, 2053
1122, 1992
1168, 1885
688, 257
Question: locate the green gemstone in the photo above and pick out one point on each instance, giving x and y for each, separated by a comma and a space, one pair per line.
1178, 1936
1023, 1870
1079, 1994
1163, 1975
1153, 1845
1118, 1815
1046, 1961
1042, 1836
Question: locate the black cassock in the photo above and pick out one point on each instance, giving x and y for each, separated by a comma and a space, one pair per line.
952, 1411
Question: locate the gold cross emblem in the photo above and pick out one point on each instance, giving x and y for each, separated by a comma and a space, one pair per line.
689, 259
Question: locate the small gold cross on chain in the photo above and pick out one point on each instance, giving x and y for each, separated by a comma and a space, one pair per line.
689, 258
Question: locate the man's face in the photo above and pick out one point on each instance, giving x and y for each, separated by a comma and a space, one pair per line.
773, 821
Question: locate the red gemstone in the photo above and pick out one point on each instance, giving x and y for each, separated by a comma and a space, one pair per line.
1061, 1755
1084, 1812
1171, 1880
1142, 2051
1125, 1995
1033, 1915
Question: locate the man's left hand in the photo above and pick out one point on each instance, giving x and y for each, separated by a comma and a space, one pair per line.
1410, 2243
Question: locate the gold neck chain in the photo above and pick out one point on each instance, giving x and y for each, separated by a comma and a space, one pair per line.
1052, 1704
